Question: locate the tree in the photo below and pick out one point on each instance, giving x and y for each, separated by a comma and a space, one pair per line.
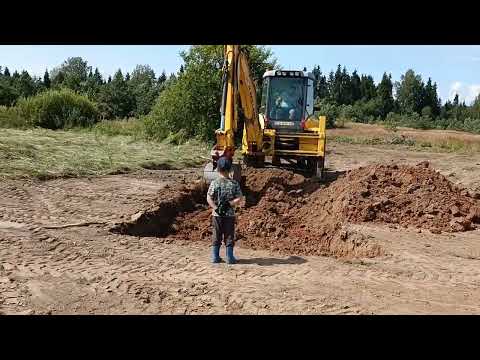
346, 88
431, 98
336, 87
476, 108
356, 91
320, 84
331, 87
46, 80
385, 95
25, 84
75, 71
98, 77
455, 100
410, 93
144, 89
8, 94
161, 82
162, 78
6, 72
367, 87
92, 85
191, 102
339, 87
115, 98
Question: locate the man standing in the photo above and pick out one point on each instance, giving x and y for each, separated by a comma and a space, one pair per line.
223, 195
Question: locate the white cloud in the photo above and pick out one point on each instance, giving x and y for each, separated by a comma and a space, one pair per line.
466, 92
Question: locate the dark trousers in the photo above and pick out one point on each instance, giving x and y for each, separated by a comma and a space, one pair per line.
223, 230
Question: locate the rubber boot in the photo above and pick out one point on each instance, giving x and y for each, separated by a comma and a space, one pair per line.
216, 254
230, 258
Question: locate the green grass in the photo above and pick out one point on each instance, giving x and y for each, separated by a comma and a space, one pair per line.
45, 153
129, 127
362, 140
436, 145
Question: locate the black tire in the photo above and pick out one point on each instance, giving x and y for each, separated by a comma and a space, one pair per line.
252, 161
316, 168
320, 168
303, 163
276, 161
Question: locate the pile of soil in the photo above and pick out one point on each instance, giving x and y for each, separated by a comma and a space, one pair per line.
288, 213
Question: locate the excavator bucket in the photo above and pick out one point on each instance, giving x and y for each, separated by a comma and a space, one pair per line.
210, 174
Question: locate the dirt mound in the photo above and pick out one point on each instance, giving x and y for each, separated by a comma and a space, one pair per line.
288, 213
408, 196
159, 218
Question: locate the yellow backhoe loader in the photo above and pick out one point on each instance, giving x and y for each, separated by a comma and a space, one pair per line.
284, 128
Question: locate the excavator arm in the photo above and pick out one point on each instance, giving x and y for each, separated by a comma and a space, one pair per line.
238, 91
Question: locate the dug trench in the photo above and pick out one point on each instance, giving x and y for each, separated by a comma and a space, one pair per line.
287, 213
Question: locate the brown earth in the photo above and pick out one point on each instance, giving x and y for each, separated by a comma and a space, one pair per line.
288, 213
58, 255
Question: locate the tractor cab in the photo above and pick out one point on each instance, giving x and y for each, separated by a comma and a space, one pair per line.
287, 100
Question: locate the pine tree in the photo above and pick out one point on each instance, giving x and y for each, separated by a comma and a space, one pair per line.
355, 84
25, 84
385, 95
116, 99
98, 77
331, 87
455, 101
346, 88
162, 78
320, 84
431, 98
337, 86
367, 87
46, 80
6, 72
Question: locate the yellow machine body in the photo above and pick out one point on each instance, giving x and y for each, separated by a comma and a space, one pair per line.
306, 145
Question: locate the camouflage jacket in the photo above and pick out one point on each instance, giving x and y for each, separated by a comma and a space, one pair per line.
223, 189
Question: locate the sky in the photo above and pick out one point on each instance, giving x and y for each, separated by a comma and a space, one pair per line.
455, 69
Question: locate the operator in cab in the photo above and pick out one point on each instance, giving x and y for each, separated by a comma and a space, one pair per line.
224, 194
287, 105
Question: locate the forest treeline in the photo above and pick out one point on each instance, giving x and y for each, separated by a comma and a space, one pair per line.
187, 102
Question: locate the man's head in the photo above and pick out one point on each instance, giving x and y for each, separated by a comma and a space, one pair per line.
224, 165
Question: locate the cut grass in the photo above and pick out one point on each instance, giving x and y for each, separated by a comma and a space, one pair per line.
430, 140
47, 154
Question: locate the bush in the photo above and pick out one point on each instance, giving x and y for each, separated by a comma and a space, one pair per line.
56, 109
10, 118
472, 125
329, 110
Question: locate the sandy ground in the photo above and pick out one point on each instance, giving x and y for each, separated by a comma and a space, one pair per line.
47, 269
